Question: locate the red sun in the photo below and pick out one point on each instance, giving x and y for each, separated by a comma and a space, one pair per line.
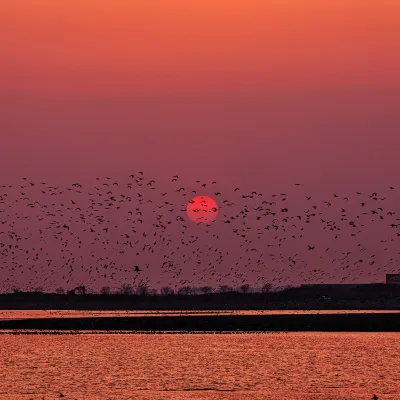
202, 209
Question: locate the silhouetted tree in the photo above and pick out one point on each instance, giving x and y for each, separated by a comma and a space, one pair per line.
143, 289
166, 291
206, 289
225, 289
245, 288
185, 290
60, 290
80, 290
195, 290
266, 288
105, 290
126, 289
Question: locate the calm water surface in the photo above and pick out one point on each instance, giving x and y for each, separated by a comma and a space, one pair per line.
285, 366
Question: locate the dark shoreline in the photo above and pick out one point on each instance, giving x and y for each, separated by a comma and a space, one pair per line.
374, 297
367, 322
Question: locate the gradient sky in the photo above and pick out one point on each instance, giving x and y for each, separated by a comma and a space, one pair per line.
252, 93
229, 89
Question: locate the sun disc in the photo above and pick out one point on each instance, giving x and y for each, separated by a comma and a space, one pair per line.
202, 209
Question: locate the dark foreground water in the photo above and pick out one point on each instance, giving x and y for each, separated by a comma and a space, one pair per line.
205, 321
28, 314
307, 366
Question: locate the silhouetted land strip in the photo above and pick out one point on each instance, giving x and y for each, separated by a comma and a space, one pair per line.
372, 297
309, 322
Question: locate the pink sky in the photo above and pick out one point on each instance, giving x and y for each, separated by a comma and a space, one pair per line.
229, 89
252, 93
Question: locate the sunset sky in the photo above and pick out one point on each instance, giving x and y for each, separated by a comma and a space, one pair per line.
231, 90
252, 93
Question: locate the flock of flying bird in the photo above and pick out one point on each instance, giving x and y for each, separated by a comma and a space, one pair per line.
114, 232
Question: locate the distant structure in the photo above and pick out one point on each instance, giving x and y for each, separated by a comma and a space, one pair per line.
393, 279
77, 290
334, 286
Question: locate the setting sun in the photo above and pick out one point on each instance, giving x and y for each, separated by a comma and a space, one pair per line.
202, 209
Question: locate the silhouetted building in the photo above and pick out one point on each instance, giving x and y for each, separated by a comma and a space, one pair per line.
340, 285
393, 279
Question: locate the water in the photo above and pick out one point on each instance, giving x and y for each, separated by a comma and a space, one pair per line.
25, 314
307, 366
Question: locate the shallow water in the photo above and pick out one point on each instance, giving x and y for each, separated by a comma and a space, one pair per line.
314, 366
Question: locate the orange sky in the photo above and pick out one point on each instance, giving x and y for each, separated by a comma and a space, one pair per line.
256, 94
151, 46
296, 77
